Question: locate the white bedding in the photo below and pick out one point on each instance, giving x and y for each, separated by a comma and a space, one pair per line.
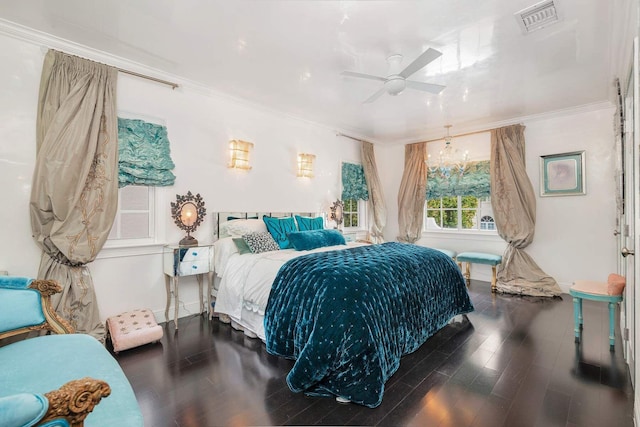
246, 282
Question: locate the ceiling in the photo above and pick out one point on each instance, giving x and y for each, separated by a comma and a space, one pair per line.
288, 55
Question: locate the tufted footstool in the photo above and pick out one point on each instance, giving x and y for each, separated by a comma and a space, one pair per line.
132, 329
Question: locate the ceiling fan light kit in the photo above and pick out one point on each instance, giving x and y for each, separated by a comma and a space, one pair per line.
396, 81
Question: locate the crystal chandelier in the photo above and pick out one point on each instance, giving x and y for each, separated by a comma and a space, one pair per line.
450, 161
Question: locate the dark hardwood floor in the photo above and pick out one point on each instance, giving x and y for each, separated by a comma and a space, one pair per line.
512, 363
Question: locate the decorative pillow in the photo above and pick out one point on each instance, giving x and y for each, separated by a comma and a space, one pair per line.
309, 223
240, 227
279, 227
23, 409
260, 242
312, 239
615, 284
242, 246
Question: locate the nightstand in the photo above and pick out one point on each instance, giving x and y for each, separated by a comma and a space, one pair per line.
181, 261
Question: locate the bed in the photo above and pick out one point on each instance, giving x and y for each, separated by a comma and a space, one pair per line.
345, 313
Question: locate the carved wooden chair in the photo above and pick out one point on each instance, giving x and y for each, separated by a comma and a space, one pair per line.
25, 306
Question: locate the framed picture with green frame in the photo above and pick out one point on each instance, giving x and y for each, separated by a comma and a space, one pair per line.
563, 174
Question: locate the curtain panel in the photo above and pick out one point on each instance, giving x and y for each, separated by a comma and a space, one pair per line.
354, 183
377, 207
476, 181
75, 185
144, 154
514, 207
412, 194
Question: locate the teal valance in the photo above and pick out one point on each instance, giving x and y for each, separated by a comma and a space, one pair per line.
144, 154
354, 184
476, 181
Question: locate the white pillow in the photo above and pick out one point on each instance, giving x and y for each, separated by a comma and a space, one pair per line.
222, 251
240, 227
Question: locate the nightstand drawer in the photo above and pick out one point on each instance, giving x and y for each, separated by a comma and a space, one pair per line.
181, 261
196, 254
187, 268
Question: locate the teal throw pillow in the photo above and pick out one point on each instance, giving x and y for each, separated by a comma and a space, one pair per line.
241, 245
306, 223
279, 227
24, 409
312, 239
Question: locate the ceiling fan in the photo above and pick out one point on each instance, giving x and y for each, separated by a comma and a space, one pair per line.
397, 81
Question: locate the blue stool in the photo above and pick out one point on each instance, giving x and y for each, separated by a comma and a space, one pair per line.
595, 291
479, 258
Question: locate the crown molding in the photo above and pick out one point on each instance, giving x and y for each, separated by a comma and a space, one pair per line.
478, 126
49, 41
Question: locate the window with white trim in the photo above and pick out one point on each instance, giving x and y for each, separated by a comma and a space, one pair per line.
459, 213
134, 220
458, 195
353, 214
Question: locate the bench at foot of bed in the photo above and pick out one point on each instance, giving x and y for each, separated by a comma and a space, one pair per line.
479, 258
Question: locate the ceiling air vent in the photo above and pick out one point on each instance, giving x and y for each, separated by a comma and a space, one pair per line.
538, 16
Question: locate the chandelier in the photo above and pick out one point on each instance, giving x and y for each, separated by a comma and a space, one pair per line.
451, 162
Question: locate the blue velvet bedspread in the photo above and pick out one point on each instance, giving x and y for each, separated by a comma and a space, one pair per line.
348, 316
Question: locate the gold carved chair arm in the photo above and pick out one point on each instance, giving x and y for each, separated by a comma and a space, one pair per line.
54, 323
75, 400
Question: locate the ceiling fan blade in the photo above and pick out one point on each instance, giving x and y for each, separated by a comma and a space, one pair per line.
427, 87
363, 76
375, 96
420, 62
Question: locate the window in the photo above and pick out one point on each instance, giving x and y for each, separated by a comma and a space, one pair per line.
458, 198
459, 213
487, 223
134, 219
351, 214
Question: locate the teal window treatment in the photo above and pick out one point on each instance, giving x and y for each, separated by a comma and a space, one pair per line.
476, 181
354, 183
144, 154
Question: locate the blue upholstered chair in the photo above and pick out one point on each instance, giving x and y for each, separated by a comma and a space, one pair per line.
49, 380
610, 292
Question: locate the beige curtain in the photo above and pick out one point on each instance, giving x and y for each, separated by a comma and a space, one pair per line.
377, 207
413, 193
75, 182
514, 209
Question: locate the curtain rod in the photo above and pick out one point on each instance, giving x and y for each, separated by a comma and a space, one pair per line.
455, 136
350, 137
133, 73
122, 70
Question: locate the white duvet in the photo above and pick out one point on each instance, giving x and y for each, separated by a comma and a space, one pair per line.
247, 279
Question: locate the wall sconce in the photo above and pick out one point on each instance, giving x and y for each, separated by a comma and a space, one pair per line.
305, 165
239, 152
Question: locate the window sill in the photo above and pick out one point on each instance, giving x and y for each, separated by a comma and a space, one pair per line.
121, 250
466, 234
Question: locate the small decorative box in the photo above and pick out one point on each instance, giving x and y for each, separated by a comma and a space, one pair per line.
133, 328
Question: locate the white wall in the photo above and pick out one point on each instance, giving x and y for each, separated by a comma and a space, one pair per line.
199, 125
574, 234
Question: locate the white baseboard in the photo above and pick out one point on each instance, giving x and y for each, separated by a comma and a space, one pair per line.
184, 310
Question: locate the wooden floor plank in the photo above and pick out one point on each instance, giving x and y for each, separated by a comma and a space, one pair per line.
513, 362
